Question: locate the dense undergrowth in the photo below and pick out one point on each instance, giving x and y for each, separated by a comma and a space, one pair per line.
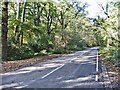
111, 54
25, 51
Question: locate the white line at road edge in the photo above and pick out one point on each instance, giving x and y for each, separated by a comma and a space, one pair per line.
96, 78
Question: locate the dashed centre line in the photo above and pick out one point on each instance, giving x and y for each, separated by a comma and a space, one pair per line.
52, 71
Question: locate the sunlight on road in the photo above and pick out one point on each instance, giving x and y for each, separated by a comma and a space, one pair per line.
79, 79
72, 70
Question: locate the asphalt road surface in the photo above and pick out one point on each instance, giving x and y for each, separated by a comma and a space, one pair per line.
76, 70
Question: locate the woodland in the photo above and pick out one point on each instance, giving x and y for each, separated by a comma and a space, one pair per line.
35, 29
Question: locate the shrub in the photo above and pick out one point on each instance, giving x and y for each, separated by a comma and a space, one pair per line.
22, 52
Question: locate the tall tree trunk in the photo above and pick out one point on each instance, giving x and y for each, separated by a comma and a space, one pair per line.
23, 12
48, 21
49, 24
33, 10
37, 19
16, 28
22, 21
63, 30
4, 29
38, 14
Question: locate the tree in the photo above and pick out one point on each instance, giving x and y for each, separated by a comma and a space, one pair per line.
4, 29
22, 21
47, 26
16, 27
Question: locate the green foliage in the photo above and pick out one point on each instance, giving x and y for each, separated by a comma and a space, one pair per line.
57, 28
17, 53
112, 54
59, 51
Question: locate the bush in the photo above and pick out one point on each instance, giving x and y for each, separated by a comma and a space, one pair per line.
112, 54
59, 51
15, 53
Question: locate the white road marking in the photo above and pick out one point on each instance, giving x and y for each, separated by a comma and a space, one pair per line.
22, 86
62, 66
96, 77
52, 71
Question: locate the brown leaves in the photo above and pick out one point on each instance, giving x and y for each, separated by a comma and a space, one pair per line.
113, 72
17, 64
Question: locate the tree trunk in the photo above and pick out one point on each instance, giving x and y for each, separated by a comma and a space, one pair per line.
48, 21
38, 14
22, 21
23, 12
63, 30
4, 30
16, 28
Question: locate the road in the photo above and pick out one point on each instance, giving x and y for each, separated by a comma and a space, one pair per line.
76, 70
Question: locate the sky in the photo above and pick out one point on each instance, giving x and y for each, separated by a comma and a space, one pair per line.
94, 9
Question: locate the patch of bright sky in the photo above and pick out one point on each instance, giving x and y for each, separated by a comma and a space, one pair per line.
94, 9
